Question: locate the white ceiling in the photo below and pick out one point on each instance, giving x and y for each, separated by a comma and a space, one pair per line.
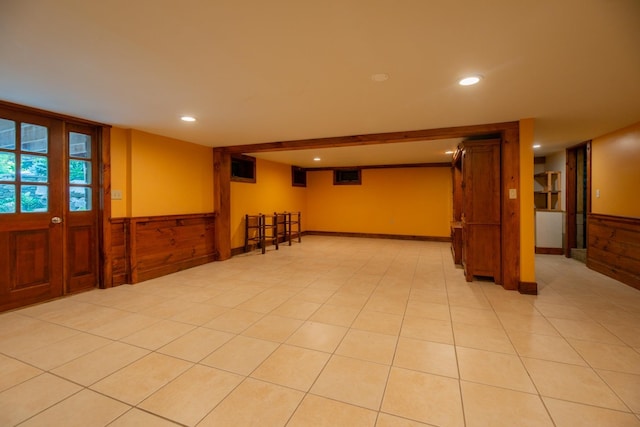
261, 71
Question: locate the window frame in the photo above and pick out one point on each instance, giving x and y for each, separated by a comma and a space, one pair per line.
298, 176
338, 180
248, 163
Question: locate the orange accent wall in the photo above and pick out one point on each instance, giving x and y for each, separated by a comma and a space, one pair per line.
404, 201
159, 175
615, 171
272, 192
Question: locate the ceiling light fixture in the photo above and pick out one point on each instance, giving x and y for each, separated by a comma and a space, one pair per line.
380, 77
316, 159
448, 152
188, 119
470, 80
537, 146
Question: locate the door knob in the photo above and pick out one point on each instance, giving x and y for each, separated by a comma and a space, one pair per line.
56, 220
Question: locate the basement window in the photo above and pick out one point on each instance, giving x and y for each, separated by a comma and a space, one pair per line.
243, 168
347, 177
298, 176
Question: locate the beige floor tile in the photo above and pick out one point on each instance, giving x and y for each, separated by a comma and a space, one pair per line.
15, 372
428, 309
292, 367
61, 352
573, 383
240, 355
37, 335
426, 356
386, 420
610, 357
382, 323
158, 334
168, 308
427, 398
482, 338
137, 418
385, 304
352, 381
124, 326
497, 369
370, 346
494, 407
320, 412
560, 311
626, 386
196, 345
546, 347
273, 328
192, 395
265, 302
233, 298
527, 323
142, 378
584, 330
318, 336
199, 314
234, 321
86, 408
475, 317
427, 329
296, 309
32, 396
255, 403
319, 296
348, 299
100, 363
335, 315
568, 414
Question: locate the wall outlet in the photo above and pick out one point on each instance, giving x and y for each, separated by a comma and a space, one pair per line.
513, 193
116, 194
598, 193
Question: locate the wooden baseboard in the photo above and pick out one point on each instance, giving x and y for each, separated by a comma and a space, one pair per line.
550, 251
379, 236
528, 288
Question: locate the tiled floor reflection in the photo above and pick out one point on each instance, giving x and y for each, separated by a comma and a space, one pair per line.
330, 332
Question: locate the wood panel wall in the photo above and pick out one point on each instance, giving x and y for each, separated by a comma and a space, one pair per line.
147, 247
613, 247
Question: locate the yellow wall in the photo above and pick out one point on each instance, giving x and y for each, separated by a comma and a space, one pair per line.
527, 229
272, 192
615, 171
403, 201
159, 175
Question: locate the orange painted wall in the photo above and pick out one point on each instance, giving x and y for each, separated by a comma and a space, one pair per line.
615, 171
404, 201
159, 175
272, 192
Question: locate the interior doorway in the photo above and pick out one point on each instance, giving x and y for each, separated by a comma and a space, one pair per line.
578, 200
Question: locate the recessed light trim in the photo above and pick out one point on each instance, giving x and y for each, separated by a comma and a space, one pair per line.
316, 159
380, 77
470, 80
188, 119
537, 146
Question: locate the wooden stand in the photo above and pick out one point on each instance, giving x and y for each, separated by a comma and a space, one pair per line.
259, 229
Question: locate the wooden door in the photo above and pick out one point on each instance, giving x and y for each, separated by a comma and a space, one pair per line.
48, 208
31, 209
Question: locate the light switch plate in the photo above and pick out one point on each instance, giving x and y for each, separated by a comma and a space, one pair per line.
116, 195
513, 193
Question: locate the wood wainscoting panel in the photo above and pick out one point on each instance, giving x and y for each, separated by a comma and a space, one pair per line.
613, 247
149, 247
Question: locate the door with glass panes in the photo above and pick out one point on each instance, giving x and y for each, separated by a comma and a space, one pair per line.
48, 208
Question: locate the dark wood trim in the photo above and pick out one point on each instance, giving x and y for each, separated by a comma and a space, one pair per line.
549, 251
400, 166
375, 138
571, 238
528, 288
51, 114
106, 257
378, 236
613, 247
510, 221
222, 202
588, 195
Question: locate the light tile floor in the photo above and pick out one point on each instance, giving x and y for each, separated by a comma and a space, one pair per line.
330, 332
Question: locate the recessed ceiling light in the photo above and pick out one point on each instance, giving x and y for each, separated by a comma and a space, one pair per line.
448, 152
537, 146
380, 77
470, 80
316, 159
188, 119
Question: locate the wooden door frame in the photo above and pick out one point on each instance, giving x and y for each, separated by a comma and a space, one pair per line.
571, 189
104, 215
